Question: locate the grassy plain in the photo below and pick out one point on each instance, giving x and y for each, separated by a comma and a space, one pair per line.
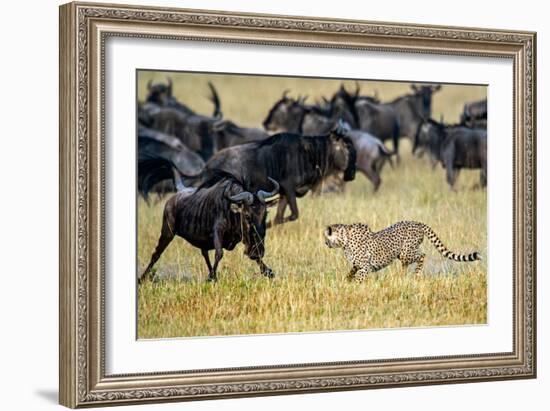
309, 292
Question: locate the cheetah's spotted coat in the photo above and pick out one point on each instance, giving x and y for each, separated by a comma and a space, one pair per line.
370, 251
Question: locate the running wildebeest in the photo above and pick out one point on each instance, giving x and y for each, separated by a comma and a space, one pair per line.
217, 215
456, 147
154, 175
474, 114
298, 163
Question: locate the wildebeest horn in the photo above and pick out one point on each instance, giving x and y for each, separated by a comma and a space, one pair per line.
219, 125
242, 197
357, 89
285, 93
169, 81
414, 87
436, 87
264, 195
303, 99
149, 84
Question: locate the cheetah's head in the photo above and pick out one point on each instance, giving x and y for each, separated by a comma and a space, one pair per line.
335, 235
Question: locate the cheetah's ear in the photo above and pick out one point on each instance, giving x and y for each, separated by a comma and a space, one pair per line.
329, 230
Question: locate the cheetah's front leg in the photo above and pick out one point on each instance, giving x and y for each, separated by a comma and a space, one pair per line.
361, 274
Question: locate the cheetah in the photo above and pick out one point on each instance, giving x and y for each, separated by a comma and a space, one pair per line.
370, 251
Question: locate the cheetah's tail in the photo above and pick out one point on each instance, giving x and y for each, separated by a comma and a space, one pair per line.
432, 236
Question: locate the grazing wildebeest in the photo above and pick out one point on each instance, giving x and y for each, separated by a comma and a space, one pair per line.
456, 147
216, 216
413, 108
154, 150
298, 163
475, 114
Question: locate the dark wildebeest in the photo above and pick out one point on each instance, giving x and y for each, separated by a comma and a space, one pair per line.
317, 120
286, 115
294, 116
155, 149
474, 114
456, 147
414, 108
161, 95
216, 216
225, 134
372, 154
194, 130
380, 120
298, 163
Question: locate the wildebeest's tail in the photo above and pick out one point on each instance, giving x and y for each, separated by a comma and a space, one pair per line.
215, 99
432, 236
385, 153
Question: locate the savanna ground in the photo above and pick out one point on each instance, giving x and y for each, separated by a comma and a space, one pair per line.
309, 292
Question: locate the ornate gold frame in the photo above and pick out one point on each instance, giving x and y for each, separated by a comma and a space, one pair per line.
83, 30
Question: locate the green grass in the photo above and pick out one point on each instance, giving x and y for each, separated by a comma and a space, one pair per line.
309, 292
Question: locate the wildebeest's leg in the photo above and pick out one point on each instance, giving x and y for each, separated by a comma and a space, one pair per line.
281, 207
264, 269
483, 175
166, 236
294, 213
395, 137
218, 254
373, 176
452, 174
207, 259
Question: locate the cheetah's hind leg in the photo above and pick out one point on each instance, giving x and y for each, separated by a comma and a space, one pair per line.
351, 274
419, 264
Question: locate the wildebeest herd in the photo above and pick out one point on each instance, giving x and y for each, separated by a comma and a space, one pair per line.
226, 176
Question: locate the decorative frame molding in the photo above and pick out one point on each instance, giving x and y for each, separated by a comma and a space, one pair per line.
83, 30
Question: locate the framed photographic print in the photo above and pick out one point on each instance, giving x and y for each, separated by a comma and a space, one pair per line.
259, 204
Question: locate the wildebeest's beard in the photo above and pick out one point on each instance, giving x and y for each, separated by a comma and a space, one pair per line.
344, 156
252, 216
253, 221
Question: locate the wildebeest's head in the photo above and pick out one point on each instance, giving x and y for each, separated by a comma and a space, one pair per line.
285, 115
425, 94
430, 134
342, 150
252, 209
159, 93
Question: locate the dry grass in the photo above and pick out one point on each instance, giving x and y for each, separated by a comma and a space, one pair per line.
309, 292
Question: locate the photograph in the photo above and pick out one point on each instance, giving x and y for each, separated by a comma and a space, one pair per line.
283, 204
